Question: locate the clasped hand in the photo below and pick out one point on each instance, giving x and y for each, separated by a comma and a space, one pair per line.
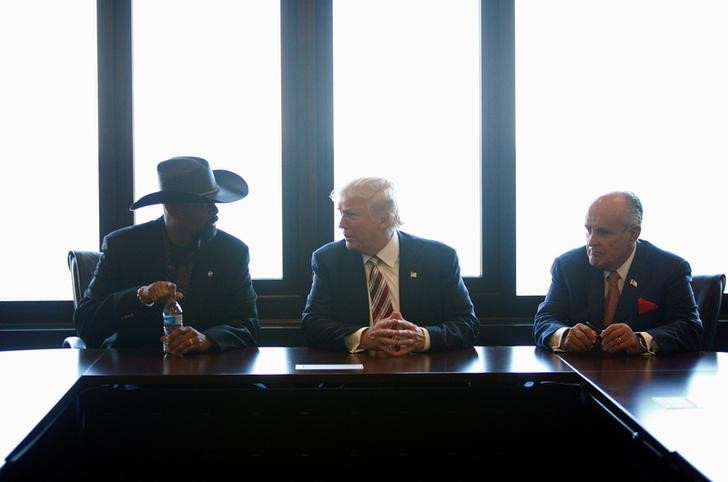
394, 336
616, 338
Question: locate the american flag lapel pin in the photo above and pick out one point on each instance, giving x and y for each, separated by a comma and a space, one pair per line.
633, 282
413, 274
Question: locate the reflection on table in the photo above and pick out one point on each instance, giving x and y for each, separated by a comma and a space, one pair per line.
93, 405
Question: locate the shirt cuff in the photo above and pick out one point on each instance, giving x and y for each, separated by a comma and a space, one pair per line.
353, 341
427, 339
556, 339
650, 342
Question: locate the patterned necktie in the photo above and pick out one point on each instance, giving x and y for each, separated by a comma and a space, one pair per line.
378, 292
610, 304
180, 262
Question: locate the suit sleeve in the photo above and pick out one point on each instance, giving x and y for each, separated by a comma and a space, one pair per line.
106, 306
680, 329
318, 323
553, 313
238, 325
459, 327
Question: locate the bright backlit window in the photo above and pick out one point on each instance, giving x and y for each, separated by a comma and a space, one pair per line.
207, 83
49, 137
407, 108
620, 95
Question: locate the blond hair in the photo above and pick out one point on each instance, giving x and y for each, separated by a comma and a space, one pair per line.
377, 193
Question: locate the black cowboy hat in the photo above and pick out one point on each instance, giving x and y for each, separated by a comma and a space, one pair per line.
190, 180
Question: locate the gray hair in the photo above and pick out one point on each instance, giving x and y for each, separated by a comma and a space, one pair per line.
635, 205
378, 193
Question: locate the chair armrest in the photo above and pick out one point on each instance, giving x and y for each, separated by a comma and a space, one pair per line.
74, 342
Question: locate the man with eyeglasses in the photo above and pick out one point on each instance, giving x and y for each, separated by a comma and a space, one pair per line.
618, 294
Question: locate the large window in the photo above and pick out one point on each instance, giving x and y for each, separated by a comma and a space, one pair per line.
48, 132
407, 108
620, 95
207, 83
577, 98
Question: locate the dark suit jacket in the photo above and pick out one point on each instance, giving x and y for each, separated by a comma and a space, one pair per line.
220, 302
576, 295
431, 292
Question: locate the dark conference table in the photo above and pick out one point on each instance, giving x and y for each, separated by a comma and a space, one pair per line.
680, 402
68, 408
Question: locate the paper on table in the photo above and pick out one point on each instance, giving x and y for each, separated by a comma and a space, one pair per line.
674, 402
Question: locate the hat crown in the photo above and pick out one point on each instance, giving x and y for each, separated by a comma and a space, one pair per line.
188, 175
190, 180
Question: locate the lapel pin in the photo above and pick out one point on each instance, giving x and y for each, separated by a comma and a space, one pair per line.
633, 282
210, 274
413, 274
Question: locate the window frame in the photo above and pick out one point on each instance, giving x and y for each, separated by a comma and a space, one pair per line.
308, 160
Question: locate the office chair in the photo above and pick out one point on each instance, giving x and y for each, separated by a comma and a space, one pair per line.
82, 265
708, 290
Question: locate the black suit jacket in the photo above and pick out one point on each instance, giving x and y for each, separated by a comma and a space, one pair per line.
431, 292
657, 298
221, 302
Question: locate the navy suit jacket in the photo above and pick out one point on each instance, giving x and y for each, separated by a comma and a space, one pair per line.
221, 302
431, 292
657, 298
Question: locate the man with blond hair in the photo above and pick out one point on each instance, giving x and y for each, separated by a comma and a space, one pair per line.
382, 290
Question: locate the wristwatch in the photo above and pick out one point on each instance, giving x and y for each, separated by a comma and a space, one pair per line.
643, 343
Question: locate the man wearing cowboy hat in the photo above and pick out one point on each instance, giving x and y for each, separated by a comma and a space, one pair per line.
180, 254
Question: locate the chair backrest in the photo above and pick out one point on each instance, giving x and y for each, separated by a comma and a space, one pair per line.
82, 265
708, 290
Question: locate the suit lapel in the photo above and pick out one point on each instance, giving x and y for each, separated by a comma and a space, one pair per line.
151, 260
355, 286
596, 296
639, 274
409, 273
202, 277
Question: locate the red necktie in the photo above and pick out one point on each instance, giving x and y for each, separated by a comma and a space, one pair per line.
610, 304
378, 292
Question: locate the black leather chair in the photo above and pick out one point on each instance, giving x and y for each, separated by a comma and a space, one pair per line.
708, 290
82, 265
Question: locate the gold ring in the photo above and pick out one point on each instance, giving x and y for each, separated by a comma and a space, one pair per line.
192, 341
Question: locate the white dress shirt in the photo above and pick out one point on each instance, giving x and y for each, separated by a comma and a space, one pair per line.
389, 267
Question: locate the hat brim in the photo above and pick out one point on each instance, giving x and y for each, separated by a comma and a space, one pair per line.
231, 188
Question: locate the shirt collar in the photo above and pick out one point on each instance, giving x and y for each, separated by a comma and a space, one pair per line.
389, 253
624, 269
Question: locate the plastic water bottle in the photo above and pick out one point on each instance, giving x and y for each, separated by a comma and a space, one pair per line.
171, 319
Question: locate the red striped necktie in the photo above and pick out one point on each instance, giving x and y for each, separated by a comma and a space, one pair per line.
610, 304
378, 292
